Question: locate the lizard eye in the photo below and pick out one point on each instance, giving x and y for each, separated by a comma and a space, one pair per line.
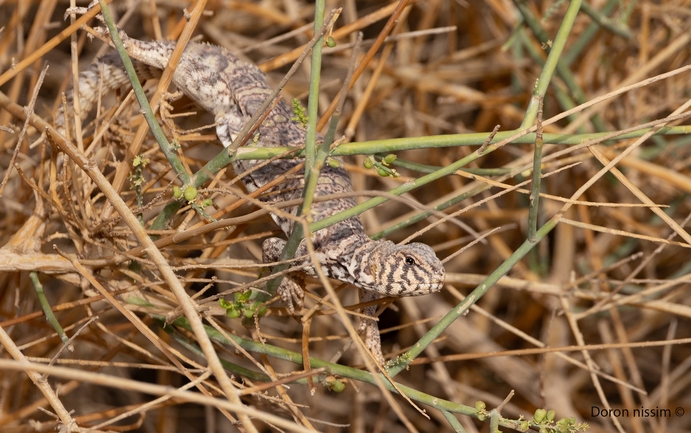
409, 261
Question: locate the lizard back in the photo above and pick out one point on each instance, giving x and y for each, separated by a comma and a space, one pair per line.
233, 90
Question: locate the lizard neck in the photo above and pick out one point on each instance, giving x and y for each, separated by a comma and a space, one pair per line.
358, 264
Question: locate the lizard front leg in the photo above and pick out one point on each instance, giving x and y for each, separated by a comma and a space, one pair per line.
369, 328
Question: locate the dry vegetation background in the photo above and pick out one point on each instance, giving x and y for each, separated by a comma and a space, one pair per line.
608, 278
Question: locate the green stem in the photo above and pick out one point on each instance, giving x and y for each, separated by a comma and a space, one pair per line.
340, 370
160, 137
313, 162
47, 310
537, 177
601, 20
313, 98
453, 422
583, 41
461, 309
552, 59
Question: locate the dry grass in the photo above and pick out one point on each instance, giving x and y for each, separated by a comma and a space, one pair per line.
610, 278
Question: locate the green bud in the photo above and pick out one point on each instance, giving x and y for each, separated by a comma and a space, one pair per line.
539, 415
381, 172
551, 414
389, 159
334, 384
177, 192
190, 193
563, 425
525, 425
207, 202
480, 405
369, 162
330, 42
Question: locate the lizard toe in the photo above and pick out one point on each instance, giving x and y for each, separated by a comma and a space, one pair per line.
292, 294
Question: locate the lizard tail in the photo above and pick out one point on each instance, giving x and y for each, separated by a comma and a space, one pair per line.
101, 78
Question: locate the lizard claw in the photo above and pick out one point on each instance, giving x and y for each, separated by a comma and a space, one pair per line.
291, 293
81, 10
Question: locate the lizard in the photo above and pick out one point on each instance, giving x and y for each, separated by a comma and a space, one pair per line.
232, 90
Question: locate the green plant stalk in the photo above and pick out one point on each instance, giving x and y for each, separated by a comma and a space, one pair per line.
392, 145
312, 163
531, 21
227, 156
160, 137
514, 170
45, 306
494, 422
288, 253
357, 210
453, 422
310, 187
340, 370
232, 367
427, 142
517, 51
627, 9
399, 144
565, 101
423, 168
408, 186
536, 180
600, 19
442, 141
313, 98
461, 309
587, 35
440, 207
168, 212
552, 58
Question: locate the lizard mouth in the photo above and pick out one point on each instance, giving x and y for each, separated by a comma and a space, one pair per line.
432, 287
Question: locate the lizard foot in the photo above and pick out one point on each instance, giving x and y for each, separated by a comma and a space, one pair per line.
291, 292
165, 108
79, 10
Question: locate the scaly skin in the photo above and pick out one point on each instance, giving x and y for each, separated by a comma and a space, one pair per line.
233, 90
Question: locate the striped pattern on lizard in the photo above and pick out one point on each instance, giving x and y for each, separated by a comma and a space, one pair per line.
233, 90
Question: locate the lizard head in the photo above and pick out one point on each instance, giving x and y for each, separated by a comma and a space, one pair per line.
404, 270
